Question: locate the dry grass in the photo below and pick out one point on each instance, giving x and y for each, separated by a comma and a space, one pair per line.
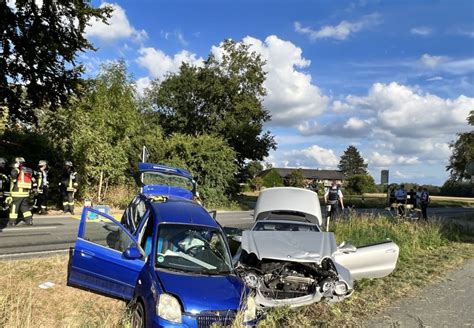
23, 304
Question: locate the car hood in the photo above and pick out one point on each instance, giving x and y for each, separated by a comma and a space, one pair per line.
295, 246
203, 293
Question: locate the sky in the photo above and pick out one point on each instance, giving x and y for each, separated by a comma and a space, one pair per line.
393, 78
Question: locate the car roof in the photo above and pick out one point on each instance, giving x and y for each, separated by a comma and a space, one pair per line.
182, 211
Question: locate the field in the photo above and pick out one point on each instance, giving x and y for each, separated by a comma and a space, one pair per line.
427, 253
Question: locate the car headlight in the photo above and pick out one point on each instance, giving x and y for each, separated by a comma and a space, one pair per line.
250, 312
340, 288
169, 308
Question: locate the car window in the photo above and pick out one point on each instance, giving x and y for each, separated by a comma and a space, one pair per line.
134, 213
103, 231
193, 249
283, 226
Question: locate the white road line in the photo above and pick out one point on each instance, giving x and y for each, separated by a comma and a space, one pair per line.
27, 229
16, 255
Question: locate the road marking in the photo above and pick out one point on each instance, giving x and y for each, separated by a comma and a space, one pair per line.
25, 229
16, 255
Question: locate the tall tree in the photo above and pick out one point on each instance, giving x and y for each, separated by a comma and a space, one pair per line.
296, 179
352, 162
463, 152
223, 97
39, 42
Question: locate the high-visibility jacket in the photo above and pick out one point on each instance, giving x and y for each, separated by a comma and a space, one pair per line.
41, 181
69, 181
21, 180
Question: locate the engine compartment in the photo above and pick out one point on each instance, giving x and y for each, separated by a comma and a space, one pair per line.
280, 280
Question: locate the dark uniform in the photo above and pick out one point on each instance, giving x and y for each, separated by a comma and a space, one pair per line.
68, 186
21, 179
4, 193
42, 188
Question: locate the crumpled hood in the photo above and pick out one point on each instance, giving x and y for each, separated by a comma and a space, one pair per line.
203, 293
297, 246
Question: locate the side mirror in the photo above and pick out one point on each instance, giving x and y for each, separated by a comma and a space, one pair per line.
111, 227
132, 253
346, 248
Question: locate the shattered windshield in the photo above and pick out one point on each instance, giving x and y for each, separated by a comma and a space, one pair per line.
194, 249
283, 226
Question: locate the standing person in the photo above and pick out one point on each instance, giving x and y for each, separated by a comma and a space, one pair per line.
21, 180
4, 192
418, 201
333, 197
401, 198
68, 187
424, 201
42, 187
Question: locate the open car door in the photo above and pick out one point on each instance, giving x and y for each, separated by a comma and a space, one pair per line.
372, 261
106, 258
162, 180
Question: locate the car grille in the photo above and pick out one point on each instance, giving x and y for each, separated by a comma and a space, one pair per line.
217, 318
281, 295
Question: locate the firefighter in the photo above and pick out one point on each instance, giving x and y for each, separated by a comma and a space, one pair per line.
21, 182
42, 187
333, 197
4, 192
68, 187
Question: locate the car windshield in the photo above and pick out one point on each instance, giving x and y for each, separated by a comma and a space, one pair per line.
283, 226
163, 179
191, 248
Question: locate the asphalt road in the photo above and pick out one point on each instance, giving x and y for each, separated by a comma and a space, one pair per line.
445, 304
55, 234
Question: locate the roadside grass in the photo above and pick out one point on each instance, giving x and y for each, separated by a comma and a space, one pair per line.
428, 251
23, 304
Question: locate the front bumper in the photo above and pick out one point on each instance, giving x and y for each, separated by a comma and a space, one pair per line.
200, 321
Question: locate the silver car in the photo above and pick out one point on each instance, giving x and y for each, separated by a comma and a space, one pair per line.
286, 259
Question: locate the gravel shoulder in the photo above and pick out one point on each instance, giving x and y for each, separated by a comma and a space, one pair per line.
449, 303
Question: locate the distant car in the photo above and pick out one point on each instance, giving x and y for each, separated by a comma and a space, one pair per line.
168, 257
285, 258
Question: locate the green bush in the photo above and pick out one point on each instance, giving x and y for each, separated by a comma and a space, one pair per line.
272, 179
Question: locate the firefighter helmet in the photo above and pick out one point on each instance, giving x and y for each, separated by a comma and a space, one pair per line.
19, 160
42, 163
68, 163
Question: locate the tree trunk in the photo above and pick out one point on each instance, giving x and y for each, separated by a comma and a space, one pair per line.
99, 196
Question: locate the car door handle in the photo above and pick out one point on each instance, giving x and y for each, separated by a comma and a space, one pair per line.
86, 253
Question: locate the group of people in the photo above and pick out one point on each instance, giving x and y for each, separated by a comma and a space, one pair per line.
418, 199
24, 191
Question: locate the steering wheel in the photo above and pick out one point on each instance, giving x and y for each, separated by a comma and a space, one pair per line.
194, 249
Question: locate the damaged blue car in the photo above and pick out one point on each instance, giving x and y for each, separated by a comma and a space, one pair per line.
168, 257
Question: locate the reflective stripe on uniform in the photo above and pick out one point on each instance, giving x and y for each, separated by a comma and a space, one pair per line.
19, 194
27, 213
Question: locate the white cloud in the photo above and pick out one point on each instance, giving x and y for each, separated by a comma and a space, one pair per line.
118, 26
311, 157
434, 78
353, 127
421, 30
379, 160
446, 64
142, 84
177, 35
433, 61
158, 63
291, 96
407, 112
341, 31
468, 33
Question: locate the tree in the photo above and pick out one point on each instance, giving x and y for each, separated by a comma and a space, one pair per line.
352, 162
296, 179
361, 183
38, 50
97, 132
250, 171
210, 160
272, 179
223, 97
463, 152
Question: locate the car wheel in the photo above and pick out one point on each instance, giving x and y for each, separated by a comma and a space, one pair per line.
138, 316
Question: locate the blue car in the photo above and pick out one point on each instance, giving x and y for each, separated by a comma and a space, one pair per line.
168, 257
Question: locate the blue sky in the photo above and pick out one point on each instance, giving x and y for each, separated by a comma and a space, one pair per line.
394, 78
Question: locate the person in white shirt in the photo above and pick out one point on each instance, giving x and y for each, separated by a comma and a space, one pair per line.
401, 198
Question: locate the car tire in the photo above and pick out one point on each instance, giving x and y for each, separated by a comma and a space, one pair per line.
138, 318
